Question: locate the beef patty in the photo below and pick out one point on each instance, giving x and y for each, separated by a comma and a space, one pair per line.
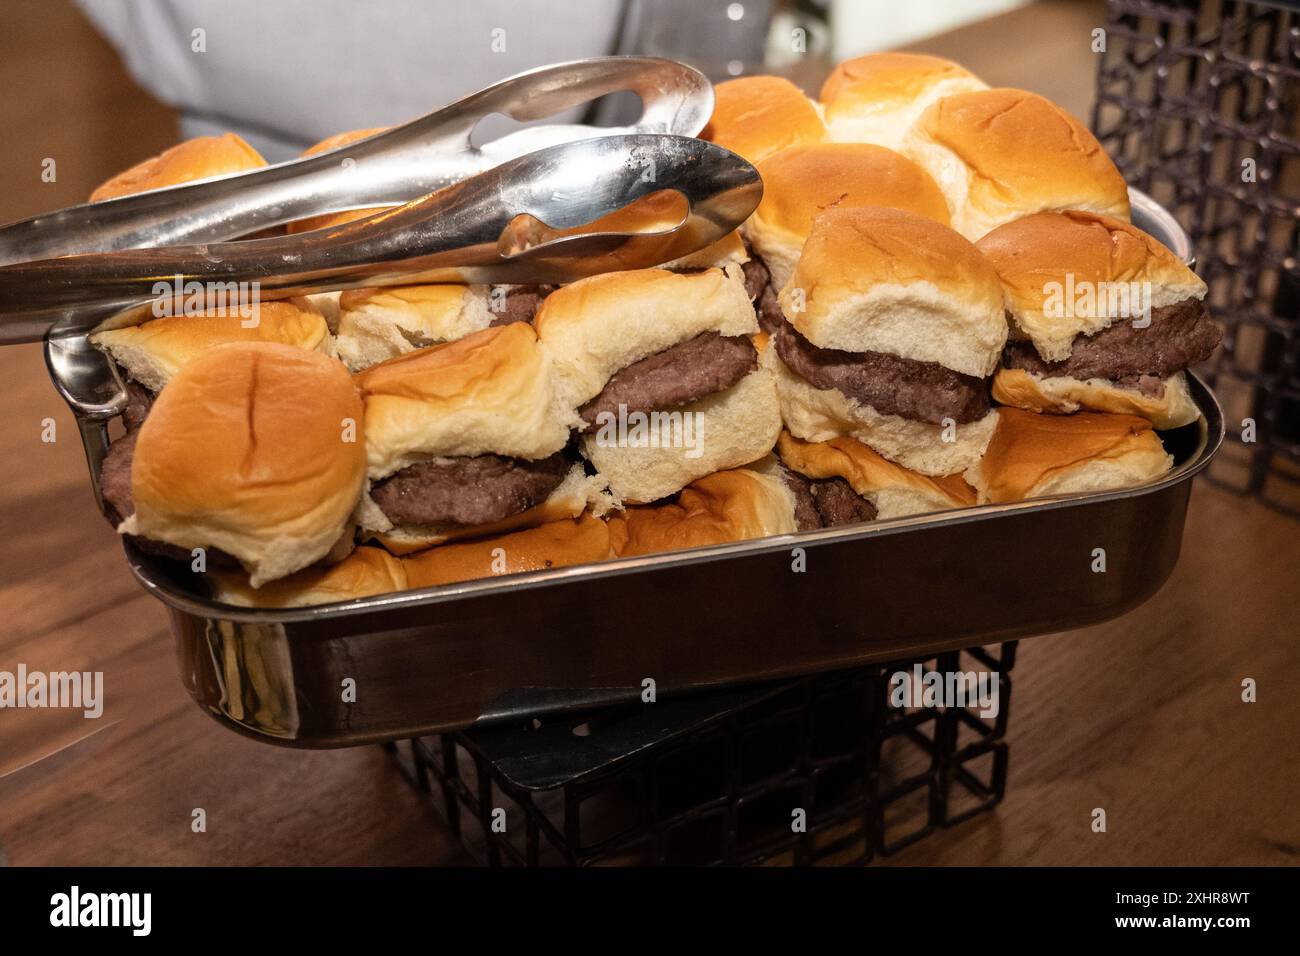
1179, 335
921, 391
468, 491
758, 283
139, 400
520, 304
826, 502
115, 477
678, 375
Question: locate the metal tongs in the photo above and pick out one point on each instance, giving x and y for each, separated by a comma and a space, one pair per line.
512, 223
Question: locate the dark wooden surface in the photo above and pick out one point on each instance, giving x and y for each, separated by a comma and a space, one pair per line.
1141, 716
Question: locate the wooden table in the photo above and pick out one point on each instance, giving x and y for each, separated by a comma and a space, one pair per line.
1141, 716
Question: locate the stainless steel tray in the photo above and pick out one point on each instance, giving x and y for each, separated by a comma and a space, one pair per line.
568, 638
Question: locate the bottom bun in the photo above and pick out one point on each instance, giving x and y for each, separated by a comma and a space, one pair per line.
730, 428
1063, 395
727, 506
578, 492
820, 414
1033, 455
554, 545
364, 573
892, 489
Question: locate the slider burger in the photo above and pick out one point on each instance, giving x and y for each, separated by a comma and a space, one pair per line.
363, 573
556, 544
876, 98
756, 116
1033, 455
1002, 154
253, 452
1103, 317
205, 157
892, 324
467, 439
150, 354
842, 481
734, 505
801, 183
377, 324
663, 374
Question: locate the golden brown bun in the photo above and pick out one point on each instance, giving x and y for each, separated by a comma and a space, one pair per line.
596, 326
576, 494
185, 162
554, 545
1036, 256
490, 392
875, 98
884, 280
756, 116
894, 490
726, 506
1062, 395
376, 325
154, 351
801, 183
256, 450
364, 573
339, 218
1002, 154
1033, 455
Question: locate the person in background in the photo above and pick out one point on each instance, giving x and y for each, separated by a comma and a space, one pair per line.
288, 73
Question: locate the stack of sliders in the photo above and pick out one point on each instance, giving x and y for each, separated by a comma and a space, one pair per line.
909, 361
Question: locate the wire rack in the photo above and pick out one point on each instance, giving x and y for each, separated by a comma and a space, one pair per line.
817, 770
1199, 104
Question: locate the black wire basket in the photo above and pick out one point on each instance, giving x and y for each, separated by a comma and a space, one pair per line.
1199, 104
817, 770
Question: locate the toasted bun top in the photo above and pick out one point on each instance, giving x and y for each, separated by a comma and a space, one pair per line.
866, 471
1029, 449
154, 351
883, 82
598, 325
733, 505
491, 391
556, 544
1002, 154
756, 116
884, 280
364, 573
801, 183
1040, 257
193, 159
255, 449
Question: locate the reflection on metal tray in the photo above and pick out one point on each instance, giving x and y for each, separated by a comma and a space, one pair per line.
577, 637
580, 637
